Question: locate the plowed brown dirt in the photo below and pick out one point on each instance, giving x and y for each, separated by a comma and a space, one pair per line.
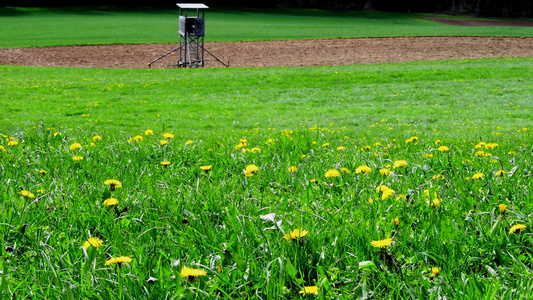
278, 53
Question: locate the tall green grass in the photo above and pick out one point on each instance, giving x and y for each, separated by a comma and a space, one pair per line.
36, 27
451, 238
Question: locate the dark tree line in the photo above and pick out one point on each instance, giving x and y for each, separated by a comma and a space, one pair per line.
495, 8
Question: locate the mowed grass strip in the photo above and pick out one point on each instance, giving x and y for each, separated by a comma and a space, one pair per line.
482, 96
38, 27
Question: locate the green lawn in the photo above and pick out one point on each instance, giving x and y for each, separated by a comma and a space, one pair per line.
36, 27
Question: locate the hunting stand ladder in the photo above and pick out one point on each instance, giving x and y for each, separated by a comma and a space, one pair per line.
192, 32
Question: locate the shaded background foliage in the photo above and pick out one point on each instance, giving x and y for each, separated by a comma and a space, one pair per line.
495, 8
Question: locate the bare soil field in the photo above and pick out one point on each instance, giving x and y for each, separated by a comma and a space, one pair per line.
284, 53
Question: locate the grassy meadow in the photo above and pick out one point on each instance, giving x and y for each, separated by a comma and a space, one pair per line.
409, 180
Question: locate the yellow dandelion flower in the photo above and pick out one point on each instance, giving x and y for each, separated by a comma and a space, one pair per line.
189, 142
163, 142
381, 188
293, 169
384, 172
478, 176
113, 184
110, 202
43, 172
136, 138
400, 197
251, 168
303, 156
12, 143
325, 145
437, 177
501, 173
437, 142
387, 193
435, 202
480, 153
148, 132
240, 146
97, 138
168, 135
75, 146
428, 155
363, 169
396, 221
345, 170
40, 191
165, 163
118, 260
93, 242
491, 145
77, 158
187, 272
399, 164
435, 271
341, 148
308, 290
443, 149
331, 173
381, 243
295, 234
206, 168
517, 228
27, 194
411, 140
511, 152
255, 150
503, 208
2, 148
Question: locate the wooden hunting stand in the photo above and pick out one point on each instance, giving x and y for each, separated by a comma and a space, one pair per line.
192, 32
